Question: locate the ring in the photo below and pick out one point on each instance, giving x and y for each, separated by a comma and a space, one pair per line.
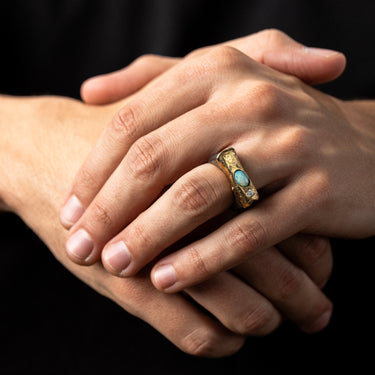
243, 189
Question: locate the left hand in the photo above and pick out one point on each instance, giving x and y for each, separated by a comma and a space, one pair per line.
302, 148
39, 154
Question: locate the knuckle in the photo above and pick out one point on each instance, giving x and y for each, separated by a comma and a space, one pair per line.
275, 33
201, 342
86, 183
314, 248
147, 59
269, 100
196, 261
225, 57
101, 214
273, 36
246, 237
126, 121
198, 52
206, 63
318, 195
194, 196
321, 187
289, 283
146, 157
297, 142
256, 322
136, 231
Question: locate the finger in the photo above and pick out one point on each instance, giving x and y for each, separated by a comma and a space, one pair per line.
108, 88
157, 160
195, 198
152, 163
144, 113
312, 254
280, 52
149, 166
180, 321
260, 227
129, 124
289, 288
236, 305
271, 47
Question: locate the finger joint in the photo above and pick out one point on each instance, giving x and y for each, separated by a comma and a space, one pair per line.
146, 157
246, 237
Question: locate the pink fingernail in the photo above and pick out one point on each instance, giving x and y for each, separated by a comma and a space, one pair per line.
80, 244
165, 276
71, 211
117, 256
320, 51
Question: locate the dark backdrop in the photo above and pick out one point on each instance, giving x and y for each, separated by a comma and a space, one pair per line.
50, 322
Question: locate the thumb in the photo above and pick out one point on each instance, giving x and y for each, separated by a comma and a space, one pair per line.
108, 88
270, 47
282, 53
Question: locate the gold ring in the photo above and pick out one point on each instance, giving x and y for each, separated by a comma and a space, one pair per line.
243, 189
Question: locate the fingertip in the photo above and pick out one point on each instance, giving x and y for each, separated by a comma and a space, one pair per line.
323, 65
71, 211
116, 259
164, 278
80, 248
91, 90
319, 324
340, 60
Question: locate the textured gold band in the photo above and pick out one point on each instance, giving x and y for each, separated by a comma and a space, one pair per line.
243, 189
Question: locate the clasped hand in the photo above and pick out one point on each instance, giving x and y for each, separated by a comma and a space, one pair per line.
147, 184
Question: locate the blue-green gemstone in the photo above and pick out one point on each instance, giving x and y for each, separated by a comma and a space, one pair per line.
241, 178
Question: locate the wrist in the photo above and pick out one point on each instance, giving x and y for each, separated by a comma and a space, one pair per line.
11, 121
27, 126
44, 141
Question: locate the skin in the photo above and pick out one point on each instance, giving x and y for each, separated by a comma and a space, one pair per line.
63, 131
303, 149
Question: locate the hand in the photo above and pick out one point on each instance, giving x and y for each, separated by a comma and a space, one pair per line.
52, 135
298, 315
278, 136
270, 47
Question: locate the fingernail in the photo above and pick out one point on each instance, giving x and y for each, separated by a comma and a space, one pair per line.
320, 323
320, 51
80, 244
93, 81
117, 256
165, 276
71, 211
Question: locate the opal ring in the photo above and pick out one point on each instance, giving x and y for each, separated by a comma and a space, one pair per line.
243, 189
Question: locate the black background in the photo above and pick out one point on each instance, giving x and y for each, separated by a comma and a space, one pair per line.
50, 322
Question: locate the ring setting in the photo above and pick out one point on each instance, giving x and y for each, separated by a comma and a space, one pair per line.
243, 189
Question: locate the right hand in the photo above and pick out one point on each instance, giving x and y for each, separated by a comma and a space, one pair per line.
275, 51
